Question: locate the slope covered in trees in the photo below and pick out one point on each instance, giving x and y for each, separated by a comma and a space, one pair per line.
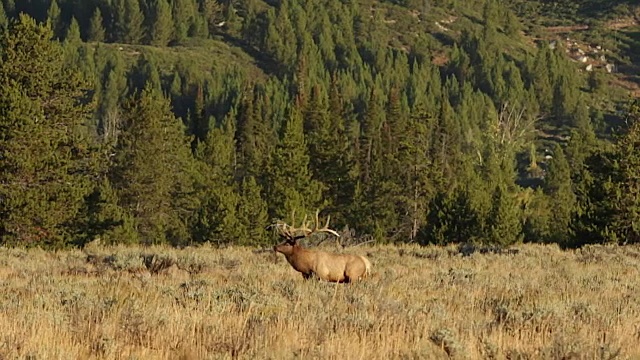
186, 121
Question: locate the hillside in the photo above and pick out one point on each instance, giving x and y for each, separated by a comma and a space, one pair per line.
187, 121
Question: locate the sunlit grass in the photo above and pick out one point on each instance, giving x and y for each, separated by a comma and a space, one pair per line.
426, 303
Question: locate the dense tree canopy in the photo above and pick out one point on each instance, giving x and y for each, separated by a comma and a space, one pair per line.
191, 121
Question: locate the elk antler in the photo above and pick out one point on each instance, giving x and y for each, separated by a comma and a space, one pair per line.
325, 228
292, 233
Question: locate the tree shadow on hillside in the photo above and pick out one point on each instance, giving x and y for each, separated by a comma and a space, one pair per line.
266, 63
630, 49
444, 39
597, 8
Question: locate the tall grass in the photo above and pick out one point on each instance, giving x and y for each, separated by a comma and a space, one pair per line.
426, 303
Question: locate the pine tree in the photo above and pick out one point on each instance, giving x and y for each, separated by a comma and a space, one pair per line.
559, 188
290, 185
134, 21
46, 158
280, 41
327, 150
450, 219
512, 25
73, 33
154, 171
212, 11
53, 17
183, 13
395, 133
4, 21
252, 211
504, 226
370, 166
537, 215
565, 98
128, 21
72, 46
540, 78
162, 26
370, 139
254, 137
109, 112
105, 219
596, 199
625, 224
418, 184
217, 220
96, 28
446, 142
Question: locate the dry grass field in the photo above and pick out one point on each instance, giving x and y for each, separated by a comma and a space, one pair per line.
421, 303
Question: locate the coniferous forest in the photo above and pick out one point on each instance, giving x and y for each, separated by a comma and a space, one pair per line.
426, 121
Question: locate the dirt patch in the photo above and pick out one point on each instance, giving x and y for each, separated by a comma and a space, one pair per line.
566, 29
440, 59
616, 24
621, 23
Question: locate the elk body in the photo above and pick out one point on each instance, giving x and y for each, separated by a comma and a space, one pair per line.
341, 268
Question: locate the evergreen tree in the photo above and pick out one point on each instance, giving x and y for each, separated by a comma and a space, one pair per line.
154, 171
625, 223
512, 25
490, 14
96, 27
562, 200
327, 150
72, 45
134, 21
540, 78
370, 139
290, 186
217, 220
280, 40
418, 186
596, 210
369, 162
183, 14
450, 219
53, 17
46, 158
253, 134
252, 211
105, 219
4, 20
504, 226
565, 98
212, 10
109, 112
73, 33
445, 143
128, 21
162, 25
537, 215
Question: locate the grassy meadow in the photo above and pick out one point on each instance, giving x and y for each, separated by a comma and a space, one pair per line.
420, 303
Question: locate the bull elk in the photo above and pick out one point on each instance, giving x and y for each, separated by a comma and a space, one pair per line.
341, 268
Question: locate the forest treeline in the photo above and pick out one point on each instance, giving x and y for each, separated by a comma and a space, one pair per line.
97, 142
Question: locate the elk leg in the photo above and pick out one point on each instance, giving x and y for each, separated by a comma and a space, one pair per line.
307, 276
